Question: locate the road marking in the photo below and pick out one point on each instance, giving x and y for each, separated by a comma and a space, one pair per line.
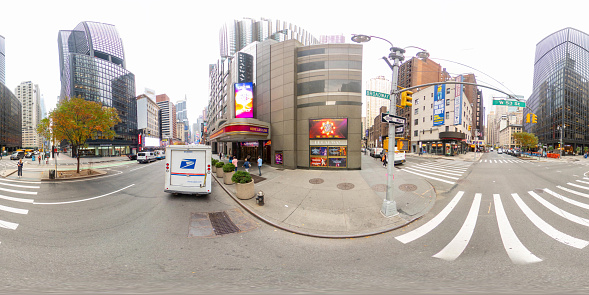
572, 191
434, 172
442, 168
560, 212
460, 241
517, 252
442, 180
547, 228
88, 199
17, 191
18, 185
143, 166
14, 210
8, 225
570, 201
430, 225
21, 181
579, 186
16, 199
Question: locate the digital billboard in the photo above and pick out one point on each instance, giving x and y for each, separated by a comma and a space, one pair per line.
328, 128
151, 141
244, 100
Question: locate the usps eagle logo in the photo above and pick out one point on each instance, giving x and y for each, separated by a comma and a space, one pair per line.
327, 128
187, 164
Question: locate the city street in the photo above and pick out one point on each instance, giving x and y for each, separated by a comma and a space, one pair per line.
121, 232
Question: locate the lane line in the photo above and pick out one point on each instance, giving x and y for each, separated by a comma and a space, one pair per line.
14, 210
570, 201
8, 225
430, 225
143, 166
426, 176
517, 252
547, 228
560, 212
83, 200
460, 241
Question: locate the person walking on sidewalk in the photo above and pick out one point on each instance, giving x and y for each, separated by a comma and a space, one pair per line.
260, 165
234, 162
384, 159
19, 165
247, 164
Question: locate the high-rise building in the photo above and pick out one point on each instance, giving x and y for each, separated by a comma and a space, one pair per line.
561, 91
92, 66
30, 98
237, 34
10, 112
2, 60
182, 116
167, 118
148, 121
375, 86
338, 39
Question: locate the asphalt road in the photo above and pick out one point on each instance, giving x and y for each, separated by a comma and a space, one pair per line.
121, 233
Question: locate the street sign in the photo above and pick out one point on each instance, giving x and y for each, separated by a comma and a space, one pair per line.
386, 118
399, 130
378, 94
511, 103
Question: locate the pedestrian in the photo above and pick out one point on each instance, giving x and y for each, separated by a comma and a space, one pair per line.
19, 165
234, 162
221, 156
39, 156
247, 164
384, 160
260, 165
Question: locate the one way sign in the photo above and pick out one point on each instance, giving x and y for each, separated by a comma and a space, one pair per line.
386, 118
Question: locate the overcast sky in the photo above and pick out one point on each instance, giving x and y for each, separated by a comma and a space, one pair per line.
169, 44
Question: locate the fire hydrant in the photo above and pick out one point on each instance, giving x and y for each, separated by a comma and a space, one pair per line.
260, 198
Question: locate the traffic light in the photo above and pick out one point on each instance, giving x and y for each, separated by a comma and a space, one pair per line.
534, 118
468, 127
528, 118
406, 99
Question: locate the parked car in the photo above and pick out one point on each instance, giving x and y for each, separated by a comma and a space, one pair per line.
517, 153
145, 157
28, 155
17, 155
499, 150
159, 155
132, 156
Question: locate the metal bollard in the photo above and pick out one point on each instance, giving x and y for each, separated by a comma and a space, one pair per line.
260, 198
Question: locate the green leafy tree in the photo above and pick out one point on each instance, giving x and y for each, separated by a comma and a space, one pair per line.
77, 120
525, 140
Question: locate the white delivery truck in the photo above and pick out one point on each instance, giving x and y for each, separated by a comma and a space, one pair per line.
188, 169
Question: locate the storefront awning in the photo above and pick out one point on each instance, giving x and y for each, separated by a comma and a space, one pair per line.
242, 131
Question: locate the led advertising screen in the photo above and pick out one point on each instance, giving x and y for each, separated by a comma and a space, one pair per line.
244, 100
328, 128
151, 141
318, 162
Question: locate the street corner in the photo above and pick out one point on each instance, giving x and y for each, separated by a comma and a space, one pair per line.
414, 196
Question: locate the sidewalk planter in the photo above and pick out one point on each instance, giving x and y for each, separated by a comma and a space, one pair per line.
244, 189
228, 169
219, 166
213, 167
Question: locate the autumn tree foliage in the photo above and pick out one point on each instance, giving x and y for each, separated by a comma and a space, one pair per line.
526, 140
77, 120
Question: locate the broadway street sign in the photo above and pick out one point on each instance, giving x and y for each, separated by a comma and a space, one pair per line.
511, 103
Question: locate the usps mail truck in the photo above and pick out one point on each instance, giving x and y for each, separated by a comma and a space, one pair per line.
188, 169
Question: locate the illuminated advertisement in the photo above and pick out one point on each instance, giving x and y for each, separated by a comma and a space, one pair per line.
328, 128
151, 141
337, 162
278, 158
244, 100
319, 151
338, 151
318, 162
439, 104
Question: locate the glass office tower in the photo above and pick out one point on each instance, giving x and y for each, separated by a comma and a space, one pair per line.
92, 66
2, 61
561, 91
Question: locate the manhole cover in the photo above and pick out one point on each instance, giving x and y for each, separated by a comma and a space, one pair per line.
407, 187
379, 187
345, 186
538, 190
222, 224
316, 180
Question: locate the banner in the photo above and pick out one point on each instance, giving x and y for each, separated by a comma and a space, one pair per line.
458, 102
439, 104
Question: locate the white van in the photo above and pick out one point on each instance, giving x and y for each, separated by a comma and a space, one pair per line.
188, 169
145, 157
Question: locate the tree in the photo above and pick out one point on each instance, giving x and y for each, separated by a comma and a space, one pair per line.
77, 120
45, 129
525, 140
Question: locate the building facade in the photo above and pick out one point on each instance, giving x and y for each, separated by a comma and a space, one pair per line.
148, 119
10, 120
167, 119
2, 60
374, 102
561, 91
302, 109
30, 98
92, 66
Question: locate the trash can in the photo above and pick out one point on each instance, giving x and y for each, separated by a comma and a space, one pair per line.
51, 174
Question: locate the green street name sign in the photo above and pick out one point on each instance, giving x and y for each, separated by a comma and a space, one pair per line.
378, 94
511, 103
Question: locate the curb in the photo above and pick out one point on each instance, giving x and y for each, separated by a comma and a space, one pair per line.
98, 173
314, 235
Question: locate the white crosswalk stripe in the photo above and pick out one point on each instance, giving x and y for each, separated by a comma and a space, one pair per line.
13, 189
443, 171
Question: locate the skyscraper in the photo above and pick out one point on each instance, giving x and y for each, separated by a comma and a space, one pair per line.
10, 112
30, 98
92, 66
167, 118
2, 61
561, 91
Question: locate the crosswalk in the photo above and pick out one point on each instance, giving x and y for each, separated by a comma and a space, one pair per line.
441, 170
563, 201
14, 195
509, 161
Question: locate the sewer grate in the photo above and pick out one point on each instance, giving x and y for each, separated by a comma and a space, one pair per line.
345, 186
257, 178
316, 180
222, 224
407, 187
538, 190
379, 187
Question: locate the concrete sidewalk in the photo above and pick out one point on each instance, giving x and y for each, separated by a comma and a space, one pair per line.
338, 204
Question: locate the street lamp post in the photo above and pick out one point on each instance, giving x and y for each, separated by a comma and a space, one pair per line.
389, 206
561, 128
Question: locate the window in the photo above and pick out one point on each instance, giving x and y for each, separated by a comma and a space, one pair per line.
416, 121
431, 118
423, 119
432, 106
416, 111
424, 108
415, 133
447, 102
447, 114
417, 101
448, 90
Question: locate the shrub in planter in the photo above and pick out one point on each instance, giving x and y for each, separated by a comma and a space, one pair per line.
213, 163
245, 185
219, 166
228, 167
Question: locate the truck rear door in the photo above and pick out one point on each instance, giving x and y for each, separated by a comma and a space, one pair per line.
188, 168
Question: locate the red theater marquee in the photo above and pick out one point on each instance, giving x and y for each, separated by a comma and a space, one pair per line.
241, 129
